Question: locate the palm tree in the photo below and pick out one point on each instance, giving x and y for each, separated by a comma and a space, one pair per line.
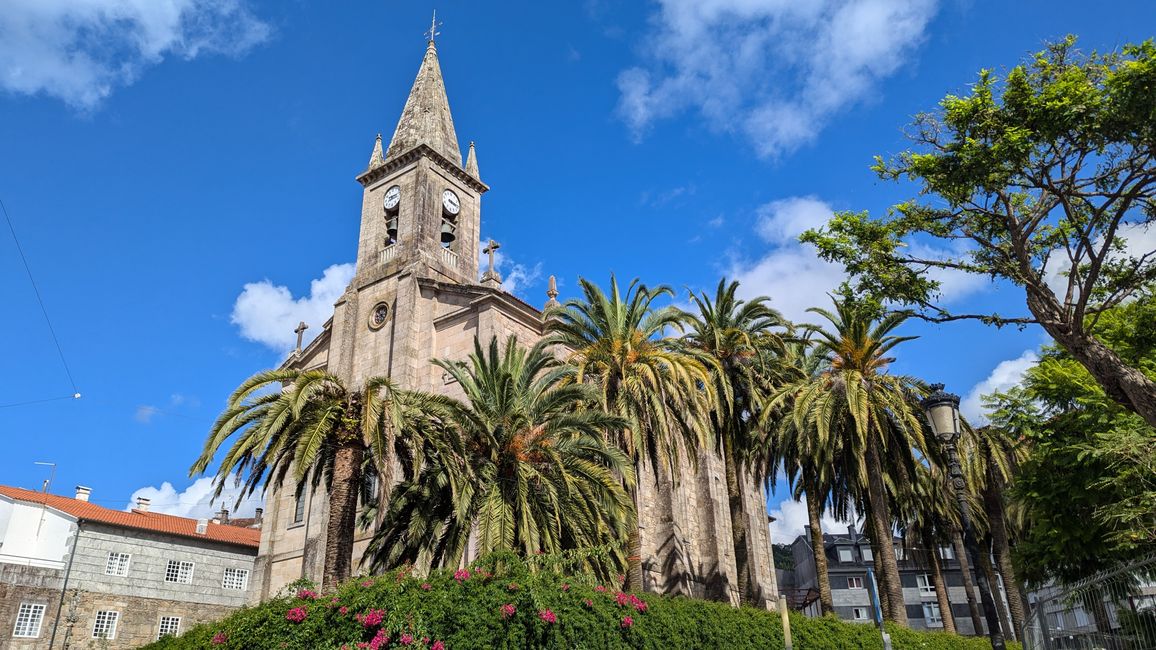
924, 512
876, 412
745, 338
527, 469
660, 387
299, 425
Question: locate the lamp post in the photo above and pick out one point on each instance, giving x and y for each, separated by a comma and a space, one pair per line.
942, 410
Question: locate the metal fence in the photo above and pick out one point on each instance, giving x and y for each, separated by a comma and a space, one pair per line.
1113, 610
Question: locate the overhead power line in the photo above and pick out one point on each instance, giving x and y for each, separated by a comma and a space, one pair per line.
43, 309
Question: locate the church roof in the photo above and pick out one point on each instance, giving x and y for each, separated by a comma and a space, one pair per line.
139, 519
426, 117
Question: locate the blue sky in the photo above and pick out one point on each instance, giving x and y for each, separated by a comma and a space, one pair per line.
181, 177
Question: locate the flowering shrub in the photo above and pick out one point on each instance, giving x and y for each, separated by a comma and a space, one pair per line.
448, 611
307, 594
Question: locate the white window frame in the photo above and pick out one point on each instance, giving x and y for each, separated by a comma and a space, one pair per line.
240, 581
926, 584
845, 555
946, 553
900, 553
28, 614
931, 615
868, 555
109, 618
183, 574
854, 582
122, 562
856, 611
174, 630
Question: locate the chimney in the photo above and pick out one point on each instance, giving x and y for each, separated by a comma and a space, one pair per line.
851, 531
82, 493
202, 526
257, 516
223, 515
807, 532
142, 503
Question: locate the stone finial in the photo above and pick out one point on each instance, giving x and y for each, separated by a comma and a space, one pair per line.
472, 162
491, 278
377, 158
552, 293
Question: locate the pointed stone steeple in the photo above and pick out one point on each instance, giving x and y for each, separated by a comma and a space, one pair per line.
376, 159
426, 117
472, 162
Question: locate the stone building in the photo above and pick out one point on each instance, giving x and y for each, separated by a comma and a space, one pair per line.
417, 295
74, 574
848, 557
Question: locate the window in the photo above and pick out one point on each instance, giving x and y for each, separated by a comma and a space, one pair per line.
179, 572
868, 556
946, 552
844, 554
900, 553
105, 625
855, 582
117, 564
369, 486
931, 615
299, 506
859, 613
926, 586
170, 626
1081, 614
28, 621
235, 579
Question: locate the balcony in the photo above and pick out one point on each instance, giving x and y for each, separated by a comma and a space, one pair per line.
450, 258
387, 254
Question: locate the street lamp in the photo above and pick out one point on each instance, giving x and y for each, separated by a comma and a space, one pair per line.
942, 410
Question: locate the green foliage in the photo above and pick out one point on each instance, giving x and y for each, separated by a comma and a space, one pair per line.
466, 613
784, 556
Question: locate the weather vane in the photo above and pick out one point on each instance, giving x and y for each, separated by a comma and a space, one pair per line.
433, 26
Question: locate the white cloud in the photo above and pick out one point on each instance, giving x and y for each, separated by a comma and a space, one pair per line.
515, 277
1006, 374
268, 313
774, 71
793, 275
145, 414
79, 51
791, 517
196, 500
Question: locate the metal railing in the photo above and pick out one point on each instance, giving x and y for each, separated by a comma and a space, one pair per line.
1112, 610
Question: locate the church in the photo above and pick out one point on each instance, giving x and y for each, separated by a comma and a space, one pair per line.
417, 295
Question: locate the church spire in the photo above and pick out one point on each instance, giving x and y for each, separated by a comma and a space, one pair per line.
472, 162
426, 117
376, 159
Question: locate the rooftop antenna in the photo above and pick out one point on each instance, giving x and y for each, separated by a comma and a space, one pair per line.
44, 489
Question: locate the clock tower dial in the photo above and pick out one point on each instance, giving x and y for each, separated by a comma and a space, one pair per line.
450, 203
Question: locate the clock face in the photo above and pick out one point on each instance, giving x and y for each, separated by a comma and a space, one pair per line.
450, 202
379, 314
392, 197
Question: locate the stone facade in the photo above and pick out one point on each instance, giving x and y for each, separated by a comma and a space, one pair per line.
416, 297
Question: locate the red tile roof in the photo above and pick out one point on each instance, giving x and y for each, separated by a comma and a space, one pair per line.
153, 521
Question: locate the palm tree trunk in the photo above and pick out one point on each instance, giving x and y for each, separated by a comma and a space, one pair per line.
941, 593
738, 520
881, 529
634, 544
826, 603
968, 582
985, 565
342, 514
993, 504
877, 561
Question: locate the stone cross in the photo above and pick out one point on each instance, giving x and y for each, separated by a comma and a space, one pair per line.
490, 249
300, 332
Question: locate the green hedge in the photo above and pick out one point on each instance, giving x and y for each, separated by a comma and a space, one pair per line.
461, 612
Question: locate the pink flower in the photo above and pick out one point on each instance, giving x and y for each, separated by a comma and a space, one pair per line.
220, 638
380, 639
547, 616
307, 594
565, 586
426, 586
362, 644
372, 618
600, 589
461, 575
627, 622
438, 645
425, 640
621, 598
344, 610
296, 615
508, 610
513, 586
406, 639
367, 583
333, 600
588, 602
